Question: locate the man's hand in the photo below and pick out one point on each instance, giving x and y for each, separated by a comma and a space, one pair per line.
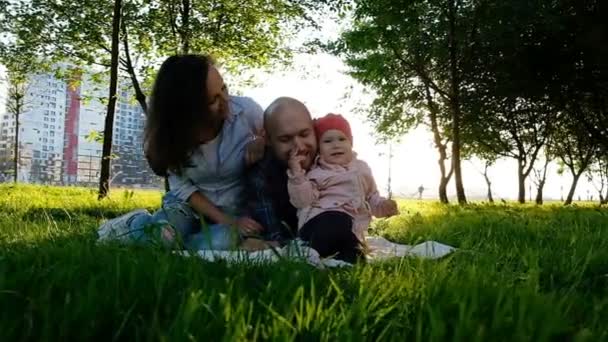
388, 208
255, 148
295, 162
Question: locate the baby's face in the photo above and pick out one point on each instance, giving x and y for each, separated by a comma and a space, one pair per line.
335, 147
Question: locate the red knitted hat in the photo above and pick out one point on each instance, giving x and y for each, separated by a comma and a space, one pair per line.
332, 121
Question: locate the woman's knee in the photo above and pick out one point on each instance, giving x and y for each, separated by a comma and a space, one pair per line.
180, 216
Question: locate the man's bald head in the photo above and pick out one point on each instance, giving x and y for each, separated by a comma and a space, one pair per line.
288, 125
281, 106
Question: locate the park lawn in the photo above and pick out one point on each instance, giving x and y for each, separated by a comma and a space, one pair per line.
522, 273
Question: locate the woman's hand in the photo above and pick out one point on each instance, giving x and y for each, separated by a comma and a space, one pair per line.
248, 226
255, 148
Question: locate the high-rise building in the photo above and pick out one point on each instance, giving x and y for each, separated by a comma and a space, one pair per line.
60, 131
40, 131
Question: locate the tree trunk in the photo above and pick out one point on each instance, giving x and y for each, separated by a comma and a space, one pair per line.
443, 190
104, 185
575, 178
521, 178
455, 103
185, 30
489, 184
539, 192
441, 148
541, 182
16, 176
15, 105
576, 175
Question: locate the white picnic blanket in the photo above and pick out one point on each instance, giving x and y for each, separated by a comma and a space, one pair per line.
380, 249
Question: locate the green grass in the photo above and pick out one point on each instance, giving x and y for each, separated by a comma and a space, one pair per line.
522, 273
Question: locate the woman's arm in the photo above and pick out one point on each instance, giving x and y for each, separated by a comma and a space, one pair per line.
184, 190
254, 114
204, 207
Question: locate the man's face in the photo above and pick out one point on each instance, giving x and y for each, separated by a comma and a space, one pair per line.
292, 129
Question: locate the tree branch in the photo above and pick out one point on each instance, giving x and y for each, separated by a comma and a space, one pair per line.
420, 72
139, 94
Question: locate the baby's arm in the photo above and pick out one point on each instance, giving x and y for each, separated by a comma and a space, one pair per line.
302, 191
380, 206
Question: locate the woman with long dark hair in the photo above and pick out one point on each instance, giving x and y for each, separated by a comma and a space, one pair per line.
202, 139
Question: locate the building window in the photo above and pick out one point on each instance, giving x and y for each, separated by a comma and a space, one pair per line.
46, 126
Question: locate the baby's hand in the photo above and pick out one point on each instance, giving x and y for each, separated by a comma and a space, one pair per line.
295, 162
388, 208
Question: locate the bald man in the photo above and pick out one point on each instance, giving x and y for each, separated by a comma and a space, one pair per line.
289, 130
288, 127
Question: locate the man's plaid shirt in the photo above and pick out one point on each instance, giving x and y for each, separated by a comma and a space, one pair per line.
268, 199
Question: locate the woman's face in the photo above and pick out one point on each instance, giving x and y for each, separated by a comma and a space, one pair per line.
217, 94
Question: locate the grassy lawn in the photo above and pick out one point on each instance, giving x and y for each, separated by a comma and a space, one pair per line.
522, 273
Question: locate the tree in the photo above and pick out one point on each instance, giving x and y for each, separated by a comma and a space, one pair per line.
239, 34
546, 58
512, 128
104, 179
17, 79
507, 105
415, 56
575, 149
486, 176
539, 178
441, 140
15, 105
598, 173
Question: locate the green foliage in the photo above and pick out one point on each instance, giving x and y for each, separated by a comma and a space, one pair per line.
95, 136
522, 273
396, 49
239, 34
